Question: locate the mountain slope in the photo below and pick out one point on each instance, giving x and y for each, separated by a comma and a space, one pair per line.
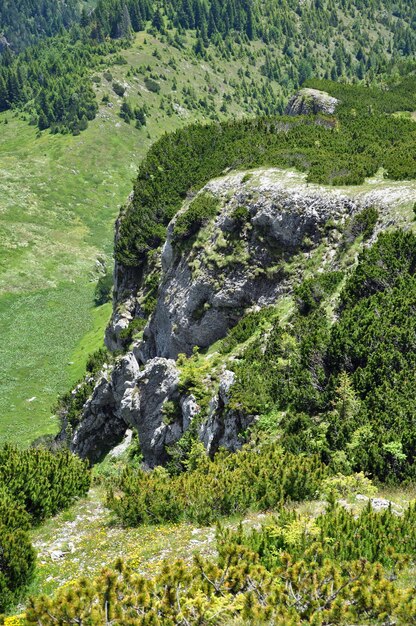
262, 263
55, 183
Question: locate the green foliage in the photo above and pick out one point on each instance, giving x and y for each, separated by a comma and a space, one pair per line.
151, 286
13, 515
118, 89
194, 373
171, 411
70, 404
341, 389
312, 291
380, 268
361, 224
251, 323
25, 21
340, 486
96, 360
340, 535
241, 214
51, 82
251, 479
152, 85
103, 290
135, 326
41, 481
378, 351
199, 212
17, 564
364, 222
282, 368
48, 81
34, 484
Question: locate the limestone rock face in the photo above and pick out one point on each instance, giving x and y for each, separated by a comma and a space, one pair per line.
267, 221
223, 427
311, 102
156, 384
236, 263
102, 427
131, 398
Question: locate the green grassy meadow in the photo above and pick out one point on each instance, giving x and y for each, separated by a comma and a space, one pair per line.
59, 197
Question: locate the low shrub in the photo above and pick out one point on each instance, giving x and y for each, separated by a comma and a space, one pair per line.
251, 479
199, 212
291, 572
34, 484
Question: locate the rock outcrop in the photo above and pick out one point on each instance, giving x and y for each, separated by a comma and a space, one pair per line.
268, 223
224, 427
238, 261
102, 426
311, 102
130, 397
3, 43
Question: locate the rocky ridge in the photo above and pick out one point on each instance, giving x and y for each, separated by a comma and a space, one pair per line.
250, 255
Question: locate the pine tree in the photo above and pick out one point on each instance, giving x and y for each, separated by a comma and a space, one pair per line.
157, 21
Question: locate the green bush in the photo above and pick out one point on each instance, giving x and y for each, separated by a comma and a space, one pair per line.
42, 482
251, 479
362, 224
188, 158
118, 89
136, 325
70, 404
103, 289
199, 212
34, 484
339, 388
96, 360
338, 535
244, 329
312, 291
17, 564
336, 569
152, 85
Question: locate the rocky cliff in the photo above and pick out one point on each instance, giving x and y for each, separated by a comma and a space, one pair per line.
269, 229
311, 102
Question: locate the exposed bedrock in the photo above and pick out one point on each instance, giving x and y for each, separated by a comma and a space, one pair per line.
238, 260
234, 264
311, 102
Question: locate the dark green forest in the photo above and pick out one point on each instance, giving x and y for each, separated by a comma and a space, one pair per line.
51, 80
23, 22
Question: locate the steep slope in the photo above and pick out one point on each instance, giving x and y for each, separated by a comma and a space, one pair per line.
170, 74
59, 198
